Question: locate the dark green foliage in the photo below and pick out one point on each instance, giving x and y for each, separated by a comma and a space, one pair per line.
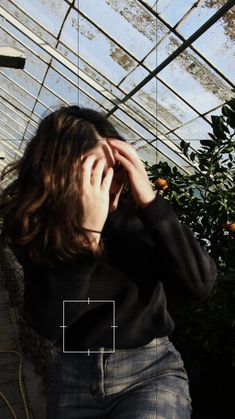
205, 200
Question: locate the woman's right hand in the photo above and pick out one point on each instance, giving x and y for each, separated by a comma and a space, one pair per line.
95, 188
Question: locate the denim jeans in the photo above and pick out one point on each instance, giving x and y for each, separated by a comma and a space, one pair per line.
147, 382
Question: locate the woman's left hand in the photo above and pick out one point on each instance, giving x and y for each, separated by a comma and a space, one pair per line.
141, 187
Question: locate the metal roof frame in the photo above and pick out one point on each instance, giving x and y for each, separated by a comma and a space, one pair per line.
135, 115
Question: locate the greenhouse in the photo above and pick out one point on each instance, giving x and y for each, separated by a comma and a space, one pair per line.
157, 77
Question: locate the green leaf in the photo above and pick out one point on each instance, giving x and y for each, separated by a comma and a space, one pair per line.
212, 136
192, 156
217, 125
228, 112
182, 144
231, 103
207, 143
231, 122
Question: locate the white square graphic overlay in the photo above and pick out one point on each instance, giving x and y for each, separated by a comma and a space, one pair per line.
113, 325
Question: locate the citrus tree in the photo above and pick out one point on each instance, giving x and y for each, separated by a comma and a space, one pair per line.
205, 199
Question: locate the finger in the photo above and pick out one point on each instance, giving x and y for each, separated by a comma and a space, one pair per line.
130, 168
86, 169
107, 179
129, 152
98, 172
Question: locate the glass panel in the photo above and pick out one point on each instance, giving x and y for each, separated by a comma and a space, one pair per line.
171, 110
162, 157
99, 78
193, 131
124, 129
24, 41
216, 112
139, 27
107, 73
164, 48
7, 98
201, 13
62, 87
7, 129
12, 119
137, 117
2, 153
71, 56
148, 153
171, 154
147, 97
23, 80
13, 8
49, 102
134, 125
65, 72
84, 87
30, 131
42, 110
48, 13
223, 52
7, 152
141, 115
151, 3
87, 102
173, 10
69, 34
33, 65
191, 78
134, 78
103, 54
19, 93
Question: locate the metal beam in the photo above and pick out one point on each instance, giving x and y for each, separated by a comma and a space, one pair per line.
12, 57
210, 22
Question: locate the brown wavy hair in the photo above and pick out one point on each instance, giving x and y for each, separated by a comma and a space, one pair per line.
40, 208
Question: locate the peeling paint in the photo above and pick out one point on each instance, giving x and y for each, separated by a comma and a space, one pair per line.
200, 72
228, 18
121, 57
162, 113
22, 17
82, 29
140, 116
138, 16
107, 85
142, 119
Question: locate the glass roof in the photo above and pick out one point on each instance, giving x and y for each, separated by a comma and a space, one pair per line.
159, 69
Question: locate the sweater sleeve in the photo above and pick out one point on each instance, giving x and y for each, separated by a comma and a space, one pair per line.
50, 295
187, 267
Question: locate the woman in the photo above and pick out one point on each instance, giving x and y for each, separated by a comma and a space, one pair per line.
98, 248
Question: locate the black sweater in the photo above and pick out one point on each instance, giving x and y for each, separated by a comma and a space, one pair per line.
124, 288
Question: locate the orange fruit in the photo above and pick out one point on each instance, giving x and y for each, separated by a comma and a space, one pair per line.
161, 184
229, 227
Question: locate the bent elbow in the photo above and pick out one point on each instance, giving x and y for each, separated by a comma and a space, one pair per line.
206, 284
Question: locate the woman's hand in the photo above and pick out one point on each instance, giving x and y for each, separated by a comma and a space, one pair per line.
141, 187
95, 193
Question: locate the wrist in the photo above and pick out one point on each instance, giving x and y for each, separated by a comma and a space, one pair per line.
93, 231
148, 202
95, 239
94, 236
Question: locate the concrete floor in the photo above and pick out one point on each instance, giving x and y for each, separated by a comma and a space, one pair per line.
9, 366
